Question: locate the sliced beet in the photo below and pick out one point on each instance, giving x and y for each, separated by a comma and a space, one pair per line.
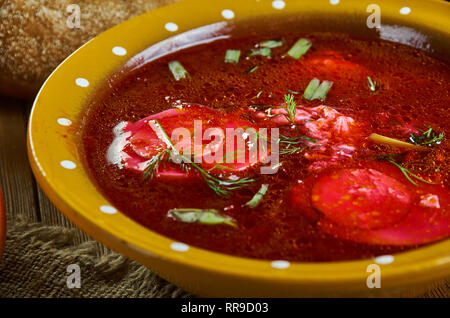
361, 198
136, 143
423, 224
367, 206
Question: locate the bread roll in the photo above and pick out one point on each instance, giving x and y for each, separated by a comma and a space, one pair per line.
35, 36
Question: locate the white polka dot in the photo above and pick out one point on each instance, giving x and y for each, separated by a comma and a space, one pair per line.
405, 10
170, 26
278, 4
118, 50
82, 82
64, 121
179, 247
280, 264
228, 14
334, 2
108, 209
384, 259
68, 164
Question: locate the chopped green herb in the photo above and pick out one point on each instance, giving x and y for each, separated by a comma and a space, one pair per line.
153, 164
256, 200
311, 88
292, 92
293, 145
297, 140
259, 94
407, 173
264, 51
178, 71
299, 48
317, 90
208, 217
232, 56
291, 107
427, 138
290, 150
271, 44
373, 86
219, 185
251, 69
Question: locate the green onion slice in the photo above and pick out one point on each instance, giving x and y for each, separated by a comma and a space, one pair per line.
251, 69
208, 216
299, 48
264, 51
256, 200
178, 71
292, 92
271, 44
232, 56
317, 90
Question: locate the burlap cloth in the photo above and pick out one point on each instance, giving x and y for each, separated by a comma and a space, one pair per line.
35, 264
36, 258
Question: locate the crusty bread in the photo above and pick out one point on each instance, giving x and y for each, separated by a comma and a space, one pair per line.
35, 37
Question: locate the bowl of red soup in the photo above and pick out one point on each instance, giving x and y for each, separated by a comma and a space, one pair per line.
260, 148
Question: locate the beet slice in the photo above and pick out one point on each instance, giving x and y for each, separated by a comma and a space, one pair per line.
423, 224
342, 203
361, 198
136, 143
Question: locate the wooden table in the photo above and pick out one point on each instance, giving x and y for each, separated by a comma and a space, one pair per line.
23, 197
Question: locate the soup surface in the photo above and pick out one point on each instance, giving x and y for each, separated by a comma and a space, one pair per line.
345, 186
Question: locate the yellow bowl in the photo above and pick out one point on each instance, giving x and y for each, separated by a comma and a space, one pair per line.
57, 161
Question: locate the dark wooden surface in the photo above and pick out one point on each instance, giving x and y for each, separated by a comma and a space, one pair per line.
25, 201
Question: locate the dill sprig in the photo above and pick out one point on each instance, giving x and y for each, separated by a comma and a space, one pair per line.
373, 86
291, 107
153, 164
290, 150
218, 184
295, 144
406, 172
427, 138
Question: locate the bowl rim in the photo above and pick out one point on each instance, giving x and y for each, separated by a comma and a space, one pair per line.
407, 265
